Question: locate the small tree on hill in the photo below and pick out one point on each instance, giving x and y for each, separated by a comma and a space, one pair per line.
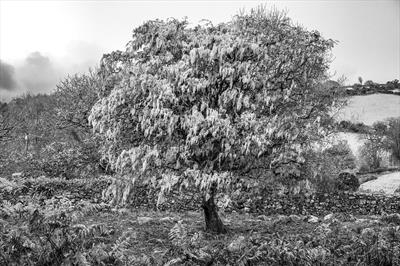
204, 105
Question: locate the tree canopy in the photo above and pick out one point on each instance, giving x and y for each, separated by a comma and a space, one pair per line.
202, 105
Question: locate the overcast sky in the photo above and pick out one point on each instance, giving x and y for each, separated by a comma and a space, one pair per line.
43, 41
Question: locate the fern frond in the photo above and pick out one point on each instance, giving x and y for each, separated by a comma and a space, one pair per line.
179, 235
120, 247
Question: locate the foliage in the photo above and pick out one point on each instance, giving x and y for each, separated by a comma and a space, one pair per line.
40, 229
73, 100
383, 138
8, 121
54, 235
371, 154
51, 237
202, 105
393, 137
50, 134
69, 161
370, 87
323, 166
349, 126
17, 189
347, 182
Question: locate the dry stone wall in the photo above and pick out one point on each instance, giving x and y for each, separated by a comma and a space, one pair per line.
322, 204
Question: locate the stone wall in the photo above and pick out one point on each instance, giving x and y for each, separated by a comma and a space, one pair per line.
322, 204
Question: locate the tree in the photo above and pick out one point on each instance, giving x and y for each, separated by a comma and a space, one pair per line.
204, 105
73, 101
393, 137
384, 137
369, 83
324, 166
7, 124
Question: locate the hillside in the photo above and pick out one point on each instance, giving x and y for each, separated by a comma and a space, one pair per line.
369, 109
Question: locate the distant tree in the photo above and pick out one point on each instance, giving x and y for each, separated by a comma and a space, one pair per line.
323, 167
200, 106
73, 101
393, 135
369, 83
383, 137
342, 80
360, 80
7, 124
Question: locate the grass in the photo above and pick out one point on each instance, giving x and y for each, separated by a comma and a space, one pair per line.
369, 109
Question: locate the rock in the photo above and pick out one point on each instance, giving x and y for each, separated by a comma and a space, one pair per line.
312, 219
236, 244
177, 261
283, 219
295, 218
123, 211
16, 175
167, 219
367, 233
323, 229
144, 220
262, 217
201, 256
328, 217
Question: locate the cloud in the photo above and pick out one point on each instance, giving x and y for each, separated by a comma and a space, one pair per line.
7, 77
37, 73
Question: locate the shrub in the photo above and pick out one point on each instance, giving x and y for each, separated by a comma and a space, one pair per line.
393, 135
347, 182
324, 166
66, 160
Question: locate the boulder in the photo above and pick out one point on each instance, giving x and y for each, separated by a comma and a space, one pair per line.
262, 217
328, 217
237, 244
167, 219
16, 175
295, 218
312, 219
144, 220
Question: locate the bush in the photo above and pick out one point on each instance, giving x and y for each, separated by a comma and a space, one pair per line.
371, 155
324, 166
69, 161
393, 135
347, 182
353, 127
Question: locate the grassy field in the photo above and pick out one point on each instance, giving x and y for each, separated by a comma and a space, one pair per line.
387, 183
369, 109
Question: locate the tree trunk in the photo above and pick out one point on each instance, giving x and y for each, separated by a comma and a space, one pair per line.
213, 222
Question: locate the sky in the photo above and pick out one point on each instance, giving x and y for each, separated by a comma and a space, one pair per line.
41, 42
